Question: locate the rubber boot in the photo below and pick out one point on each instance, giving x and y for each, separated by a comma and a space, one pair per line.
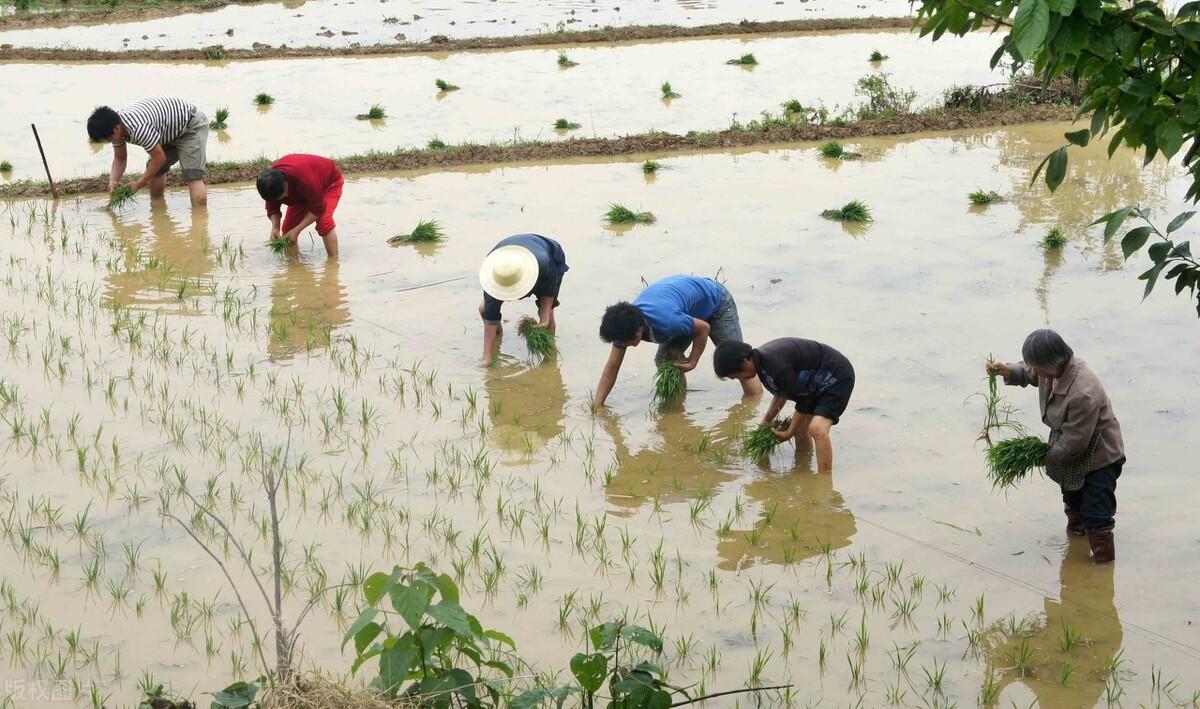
1074, 522
1101, 542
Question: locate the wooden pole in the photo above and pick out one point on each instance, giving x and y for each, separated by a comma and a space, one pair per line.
46, 165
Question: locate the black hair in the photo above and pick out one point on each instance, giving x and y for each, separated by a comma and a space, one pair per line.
1047, 350
621, 322
101, 123
271, 184
730, 358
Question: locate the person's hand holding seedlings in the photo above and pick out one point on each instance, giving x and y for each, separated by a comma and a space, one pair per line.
700, 331
999, 368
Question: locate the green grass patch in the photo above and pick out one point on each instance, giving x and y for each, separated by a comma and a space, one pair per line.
758, 444
1012, 459
746, 59
539, 340
445, 85
667, 91
1054, 239
220, 119
374, 113
263, 98
426, 231
120, 198
855, 211
564, 124
620, 214
668, 382
982, 197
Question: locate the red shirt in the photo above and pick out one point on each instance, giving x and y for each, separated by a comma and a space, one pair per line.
309, 177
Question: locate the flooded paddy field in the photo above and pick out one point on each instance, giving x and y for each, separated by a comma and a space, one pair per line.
161, 350
613, 90
342, 23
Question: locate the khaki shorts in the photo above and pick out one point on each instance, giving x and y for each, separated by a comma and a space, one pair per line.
189, 149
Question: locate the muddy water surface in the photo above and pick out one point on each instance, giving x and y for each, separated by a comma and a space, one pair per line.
614, 90
649, 511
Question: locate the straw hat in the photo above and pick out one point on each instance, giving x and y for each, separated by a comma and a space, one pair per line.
509, 272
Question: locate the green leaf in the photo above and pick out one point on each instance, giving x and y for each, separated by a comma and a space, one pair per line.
1113, 221
499, 637
394, 665
1170, 137
1144, 86
1189, 30
641, 636
364, 637
375, 586
236, 696
1158, 252
1056, 170
498, 665
529, 699
453, 617
1030, 27
1134, 240
1151, 277
359, 623
603, 636
1155, 22
1078, 137
1099, 121
1179, 221
1062, 7
411, 602
590, 670
448, 588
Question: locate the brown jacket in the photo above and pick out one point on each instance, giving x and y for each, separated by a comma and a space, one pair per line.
1076, 405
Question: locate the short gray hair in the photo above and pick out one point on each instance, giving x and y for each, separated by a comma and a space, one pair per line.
1046, 349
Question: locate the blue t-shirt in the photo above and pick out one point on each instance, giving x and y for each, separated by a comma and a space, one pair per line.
669, 304
552, 265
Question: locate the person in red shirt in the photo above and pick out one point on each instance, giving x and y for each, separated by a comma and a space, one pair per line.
310, 186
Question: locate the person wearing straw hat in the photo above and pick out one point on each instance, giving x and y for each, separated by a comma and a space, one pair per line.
518, 267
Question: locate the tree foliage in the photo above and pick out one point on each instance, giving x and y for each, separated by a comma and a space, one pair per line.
1137, 71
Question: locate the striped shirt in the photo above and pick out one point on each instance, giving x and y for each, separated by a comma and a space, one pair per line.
152, 122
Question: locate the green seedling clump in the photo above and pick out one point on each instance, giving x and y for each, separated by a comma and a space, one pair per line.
445, 85
668, 382
877, 56
564, 124
436, 144
651, 166
5, 166
424, 231
836, 151
759, 443
1011, 460
667, 92
220, 118
263, 98
121, 197
539, 340
747, 59
620, 214
792, 106
278, 245
565, 62
1054, 239
985, 197
854, 211
374, 113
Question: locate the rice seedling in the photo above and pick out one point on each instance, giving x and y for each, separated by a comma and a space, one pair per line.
620, 214
374, 113
1054, 239
263, 98
877, 56
564, 62
759, 443
121, 197
792, 106
834, 150
1011, 460
6, 166
538, 340
1065, 672
747, 59
1069, 637
667, 92
436, 144
990, 692
278, 245
445, 86
1022, 656
426, 231
220, 118
822, 653
668, 382
935, 678
564, 124
855, 211
982, 197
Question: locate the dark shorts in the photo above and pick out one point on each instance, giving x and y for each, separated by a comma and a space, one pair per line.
830, 403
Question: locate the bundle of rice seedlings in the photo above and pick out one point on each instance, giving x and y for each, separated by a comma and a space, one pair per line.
759, 443
5, 166
220, 117
836, 151
651, 166
120, 198
854, 211
668, 382
997, 413
445, 85
374, 113
620, 214
985, 197
436, 144
539, 341
424, 231
792, 106
667, 92
877, 56
564, 124
263, 98
278, 245
564, 62
1054, 239
1011, 460
747, 59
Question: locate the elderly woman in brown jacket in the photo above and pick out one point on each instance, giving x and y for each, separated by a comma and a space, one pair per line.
1086, 452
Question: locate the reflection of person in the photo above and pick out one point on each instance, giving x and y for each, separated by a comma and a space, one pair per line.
801, 513
305, 308
527, 406
1086, 607
181, 252
813, 375
517, 267
1086, 452
673, 312
169, 129
310, 186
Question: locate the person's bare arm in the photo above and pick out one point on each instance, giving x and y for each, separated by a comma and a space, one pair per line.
546, 312
158, 158
491, 343
275, 218
792, 429
120, 160
773, 410
608, 377
305, 223
700, 330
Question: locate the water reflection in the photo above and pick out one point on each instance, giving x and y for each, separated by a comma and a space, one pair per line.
1086, 606
164, 262
307, 304
801, 512
1053, 259
527, 408
687, 461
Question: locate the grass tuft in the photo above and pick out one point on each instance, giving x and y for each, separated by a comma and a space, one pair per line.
877, 56
263, 98
759, 443
539, 340
1011, 460
5, 166
746, 59
667, 92
854, 211
985, 197
445, 85
1054, 239
220, 118
564, 62
426, 230
374, 113
564, 124
668, 382
120, 198
620, 214
651, 166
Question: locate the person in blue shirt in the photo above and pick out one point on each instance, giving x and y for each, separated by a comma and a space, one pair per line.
674, 312
517, 267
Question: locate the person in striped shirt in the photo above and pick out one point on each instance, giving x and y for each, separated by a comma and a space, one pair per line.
170, 130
